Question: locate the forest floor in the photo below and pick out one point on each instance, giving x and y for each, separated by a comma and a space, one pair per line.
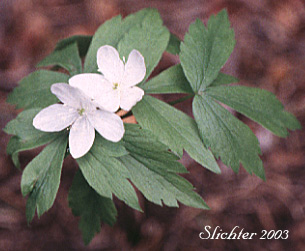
269, 54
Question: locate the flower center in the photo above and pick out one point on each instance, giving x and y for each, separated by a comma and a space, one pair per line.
81, 111
115, 86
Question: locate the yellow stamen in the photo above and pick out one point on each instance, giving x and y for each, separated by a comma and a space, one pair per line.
81, 111
115, 86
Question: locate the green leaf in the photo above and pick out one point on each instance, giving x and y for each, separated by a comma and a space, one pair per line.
22, 126
219, 44
141, 138
173, 46
83, 43
144, 146
91, 207
41, 178
110, 33
113, 149
224, 79
66, 57
27, 137
107, 176
34, 90
260, 105
158, 185
175, 129
229, 138
205, 50
172, 80
14, 146
150, 38
192, 55
153, 170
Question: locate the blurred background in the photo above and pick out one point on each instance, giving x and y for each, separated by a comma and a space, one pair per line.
269, 54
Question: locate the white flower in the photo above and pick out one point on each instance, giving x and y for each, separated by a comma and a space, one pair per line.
82, 113
116, 87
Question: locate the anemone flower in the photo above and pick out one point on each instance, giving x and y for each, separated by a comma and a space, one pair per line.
116, 87
83, 115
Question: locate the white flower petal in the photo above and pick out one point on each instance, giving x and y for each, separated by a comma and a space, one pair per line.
81, 137
73, 96
108, 124
55, 118
130, 96
109, 101
135, 69
93, 85
110, 64
67, 94
98, 89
